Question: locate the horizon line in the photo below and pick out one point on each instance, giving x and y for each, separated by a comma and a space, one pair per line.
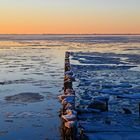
69, 34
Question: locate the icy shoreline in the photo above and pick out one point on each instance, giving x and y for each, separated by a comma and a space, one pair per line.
118, 83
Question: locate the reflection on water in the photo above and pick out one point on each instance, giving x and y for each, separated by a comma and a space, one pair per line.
34, 64
32, 69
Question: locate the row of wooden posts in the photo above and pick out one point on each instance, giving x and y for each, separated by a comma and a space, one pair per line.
68, 113
70, 130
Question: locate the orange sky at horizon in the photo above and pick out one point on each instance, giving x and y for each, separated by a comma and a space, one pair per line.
80, 17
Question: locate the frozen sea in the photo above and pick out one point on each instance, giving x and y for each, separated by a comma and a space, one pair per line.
104, 65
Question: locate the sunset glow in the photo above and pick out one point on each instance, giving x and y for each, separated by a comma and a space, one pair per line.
69, 16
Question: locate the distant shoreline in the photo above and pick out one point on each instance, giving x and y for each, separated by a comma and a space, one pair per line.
70, 34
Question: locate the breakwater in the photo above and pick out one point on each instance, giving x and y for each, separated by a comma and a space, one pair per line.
87, 115
68, 113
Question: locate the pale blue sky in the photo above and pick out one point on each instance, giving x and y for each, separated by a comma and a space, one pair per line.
83, 12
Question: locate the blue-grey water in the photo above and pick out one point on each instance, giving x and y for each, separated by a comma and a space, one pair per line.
35, 63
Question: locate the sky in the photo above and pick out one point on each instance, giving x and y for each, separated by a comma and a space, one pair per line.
69, 16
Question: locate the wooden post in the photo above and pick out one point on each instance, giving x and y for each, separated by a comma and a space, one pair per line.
139, 109
68, 133
106, 105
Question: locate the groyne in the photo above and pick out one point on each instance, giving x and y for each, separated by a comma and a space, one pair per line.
91, 118
68, 113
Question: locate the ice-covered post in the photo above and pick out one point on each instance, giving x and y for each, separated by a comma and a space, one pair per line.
68, 114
